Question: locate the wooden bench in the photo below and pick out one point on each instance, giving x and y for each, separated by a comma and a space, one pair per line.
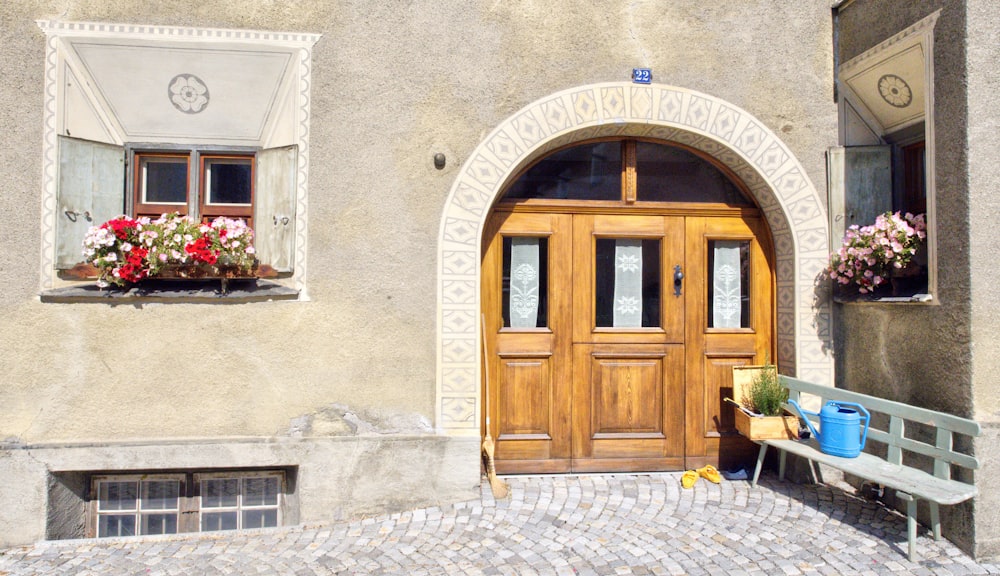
892, 471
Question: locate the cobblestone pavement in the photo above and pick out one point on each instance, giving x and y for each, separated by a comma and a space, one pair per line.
609, 524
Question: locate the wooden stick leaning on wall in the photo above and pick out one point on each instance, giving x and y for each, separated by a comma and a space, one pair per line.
499, 487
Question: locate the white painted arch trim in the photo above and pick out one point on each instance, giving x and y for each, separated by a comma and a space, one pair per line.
794, 210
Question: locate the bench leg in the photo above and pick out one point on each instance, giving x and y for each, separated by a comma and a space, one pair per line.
935, 520
782, 457
760, 464
911, 524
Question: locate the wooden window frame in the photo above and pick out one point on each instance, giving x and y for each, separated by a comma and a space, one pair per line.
197, 204
189, 510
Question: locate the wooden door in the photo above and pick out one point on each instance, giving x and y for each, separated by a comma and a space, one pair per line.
581, 388
714, 342
529, 366
628, 343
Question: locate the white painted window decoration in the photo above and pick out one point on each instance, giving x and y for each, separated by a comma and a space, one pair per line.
223, 133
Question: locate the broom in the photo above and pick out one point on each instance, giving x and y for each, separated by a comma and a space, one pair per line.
499, 487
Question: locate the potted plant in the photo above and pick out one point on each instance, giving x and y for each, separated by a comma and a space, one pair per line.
871, 256
760, 413
127, 250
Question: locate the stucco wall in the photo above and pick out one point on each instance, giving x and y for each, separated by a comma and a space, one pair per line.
393, 84
943, 357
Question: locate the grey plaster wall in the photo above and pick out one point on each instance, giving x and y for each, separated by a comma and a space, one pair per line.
393, 84
945, 356
983, 53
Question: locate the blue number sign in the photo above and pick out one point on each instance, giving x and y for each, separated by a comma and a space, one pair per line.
642, 75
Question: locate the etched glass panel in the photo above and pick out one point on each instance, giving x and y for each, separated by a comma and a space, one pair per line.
729, 270
627, 283
585, 172
525, 282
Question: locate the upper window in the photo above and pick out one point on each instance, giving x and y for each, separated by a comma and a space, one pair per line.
627, 171
221, 185
886, 161
146, 120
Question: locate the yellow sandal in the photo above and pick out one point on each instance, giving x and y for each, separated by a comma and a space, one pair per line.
710, 473
689, 478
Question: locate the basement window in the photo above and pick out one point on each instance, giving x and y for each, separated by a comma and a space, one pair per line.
172, 503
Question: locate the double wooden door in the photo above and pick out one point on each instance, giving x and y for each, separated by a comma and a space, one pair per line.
610, 337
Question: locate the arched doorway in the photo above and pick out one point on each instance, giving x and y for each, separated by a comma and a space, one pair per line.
790, 204
621, 280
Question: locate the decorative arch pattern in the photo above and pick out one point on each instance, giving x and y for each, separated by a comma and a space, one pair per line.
791, 205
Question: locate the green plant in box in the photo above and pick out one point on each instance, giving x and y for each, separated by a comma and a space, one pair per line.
766, 393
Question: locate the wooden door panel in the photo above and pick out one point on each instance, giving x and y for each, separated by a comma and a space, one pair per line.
628, 407
525, 397
626, 400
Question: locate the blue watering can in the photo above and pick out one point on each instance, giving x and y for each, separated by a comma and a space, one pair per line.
840, 428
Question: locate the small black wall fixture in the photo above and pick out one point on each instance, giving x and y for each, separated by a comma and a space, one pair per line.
439, 161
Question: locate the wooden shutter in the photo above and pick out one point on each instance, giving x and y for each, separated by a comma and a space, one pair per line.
274, 218
91, 191
860, 185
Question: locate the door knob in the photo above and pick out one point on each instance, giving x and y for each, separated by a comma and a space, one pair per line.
678, 279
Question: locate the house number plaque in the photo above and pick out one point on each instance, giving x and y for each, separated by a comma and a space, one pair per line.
642, 75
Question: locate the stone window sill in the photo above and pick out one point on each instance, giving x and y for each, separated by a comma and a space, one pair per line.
166, 291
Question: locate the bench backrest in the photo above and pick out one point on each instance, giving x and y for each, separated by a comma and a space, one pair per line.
899, 414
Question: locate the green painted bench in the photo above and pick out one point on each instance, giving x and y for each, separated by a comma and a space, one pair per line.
892, 471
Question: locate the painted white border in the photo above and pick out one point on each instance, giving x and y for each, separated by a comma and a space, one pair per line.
794, 210
56, 32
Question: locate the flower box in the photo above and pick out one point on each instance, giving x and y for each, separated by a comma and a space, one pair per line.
753, 426
126, 251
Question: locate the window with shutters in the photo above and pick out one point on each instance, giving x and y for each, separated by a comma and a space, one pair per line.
146, 120
886, 158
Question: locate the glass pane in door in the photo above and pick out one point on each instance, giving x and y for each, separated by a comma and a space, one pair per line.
729, 283
525, 282
627, 287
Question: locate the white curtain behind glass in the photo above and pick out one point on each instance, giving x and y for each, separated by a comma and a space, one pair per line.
726, 285
628, 284
524, 278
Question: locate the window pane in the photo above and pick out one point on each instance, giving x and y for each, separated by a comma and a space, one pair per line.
118, 496
164, 180
115, 525
260, 491
220, 493
229, 180
586, 172
729, 284
159, 523
160, 494
525, 282
260, 518
627, 290
672, 174
525, 288
218, 521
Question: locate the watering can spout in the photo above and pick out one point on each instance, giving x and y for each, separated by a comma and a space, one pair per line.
839, 424
803, 415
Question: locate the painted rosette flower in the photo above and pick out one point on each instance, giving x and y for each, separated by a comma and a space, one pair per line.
870, 254
126, 250
188, 93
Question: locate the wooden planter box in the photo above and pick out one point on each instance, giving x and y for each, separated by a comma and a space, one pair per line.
767, 427
762, 427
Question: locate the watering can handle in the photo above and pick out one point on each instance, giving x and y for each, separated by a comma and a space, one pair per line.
863, 410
